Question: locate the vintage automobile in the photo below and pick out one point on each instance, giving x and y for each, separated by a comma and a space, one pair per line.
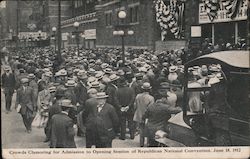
223, 118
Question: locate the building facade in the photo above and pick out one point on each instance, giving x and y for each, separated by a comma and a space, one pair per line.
139, 17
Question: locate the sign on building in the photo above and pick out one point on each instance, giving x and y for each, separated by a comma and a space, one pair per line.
90, 34
65, 36
222, 13
33, 35
2, 4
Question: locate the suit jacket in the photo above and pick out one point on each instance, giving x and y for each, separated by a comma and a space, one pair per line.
158, 114
110, 90
125, 96
70, 94
107, 123
8, 81
81, 95
62, 135
34, 86
142, 102
26, 99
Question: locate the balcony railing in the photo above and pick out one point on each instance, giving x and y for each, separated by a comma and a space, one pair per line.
79, 18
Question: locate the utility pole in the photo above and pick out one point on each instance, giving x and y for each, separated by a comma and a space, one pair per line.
17, 23
59, 36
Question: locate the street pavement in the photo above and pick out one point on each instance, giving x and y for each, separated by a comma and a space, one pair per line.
14, 135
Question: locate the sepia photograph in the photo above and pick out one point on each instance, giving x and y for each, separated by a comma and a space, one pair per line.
82, 75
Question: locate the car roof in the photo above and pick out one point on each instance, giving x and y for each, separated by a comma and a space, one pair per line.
235, 58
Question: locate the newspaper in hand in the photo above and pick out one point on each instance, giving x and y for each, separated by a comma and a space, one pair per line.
18, 108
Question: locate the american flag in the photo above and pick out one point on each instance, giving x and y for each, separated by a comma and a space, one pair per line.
231, 7
165, 16
212, 6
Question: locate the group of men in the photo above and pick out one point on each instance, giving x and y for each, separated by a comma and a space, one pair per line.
93, 93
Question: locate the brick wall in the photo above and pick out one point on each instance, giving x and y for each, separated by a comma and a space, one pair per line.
145, 31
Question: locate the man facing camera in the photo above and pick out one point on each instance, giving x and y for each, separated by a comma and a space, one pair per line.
106, 122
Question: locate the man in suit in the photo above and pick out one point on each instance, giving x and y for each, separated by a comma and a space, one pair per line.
54, 109
8, 84
25, 100
89, 116
158, 114
81, 97
106, 122
124, 99
62, 135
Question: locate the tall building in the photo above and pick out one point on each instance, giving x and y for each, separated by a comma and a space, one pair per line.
51, 13
83, 12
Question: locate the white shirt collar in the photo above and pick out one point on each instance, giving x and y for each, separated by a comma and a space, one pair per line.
65, 112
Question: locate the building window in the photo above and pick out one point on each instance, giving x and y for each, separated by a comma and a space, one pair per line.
134, 14
108, 18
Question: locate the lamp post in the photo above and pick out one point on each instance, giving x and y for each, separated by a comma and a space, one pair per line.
39, 38
76, 25
122, 31
54, 35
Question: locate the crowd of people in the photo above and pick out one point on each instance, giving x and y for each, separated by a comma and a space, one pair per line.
95, 94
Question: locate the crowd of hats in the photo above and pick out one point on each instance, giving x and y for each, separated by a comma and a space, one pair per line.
104, 65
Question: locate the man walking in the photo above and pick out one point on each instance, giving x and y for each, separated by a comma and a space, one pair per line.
25, 103
8, 84
124, 97
142, 102
106, 123
62, 135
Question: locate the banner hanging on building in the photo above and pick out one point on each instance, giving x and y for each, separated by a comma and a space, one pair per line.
169, 16
215, 11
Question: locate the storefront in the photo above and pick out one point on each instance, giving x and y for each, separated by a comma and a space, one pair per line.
90, 38
229, 23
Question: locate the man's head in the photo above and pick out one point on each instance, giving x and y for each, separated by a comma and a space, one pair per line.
25, 81
7, 69
92, 93
66, 105
101, 98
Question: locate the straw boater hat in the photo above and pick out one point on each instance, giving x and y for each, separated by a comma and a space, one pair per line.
165, 64
62, 72
48, 74
146, 86
91, 71
164, 85
31, 76
70, 83
82, 74
7, 68
105, 80
147, 66
46, 69
99, 75
92, 91
95, 84
113, 77
91, 80
143, 69
24, 80
108, 70
52, 89
172, 69
120, 72
66, 103
104, 65
101, 95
